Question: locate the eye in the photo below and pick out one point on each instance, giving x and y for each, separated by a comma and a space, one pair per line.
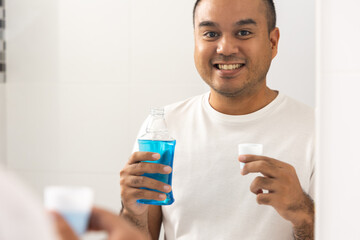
211, 35
243, 33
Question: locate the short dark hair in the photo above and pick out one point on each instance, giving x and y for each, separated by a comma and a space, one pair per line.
271, 13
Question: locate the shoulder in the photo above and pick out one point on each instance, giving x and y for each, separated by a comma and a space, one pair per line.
297, 114
184, 106
297, 108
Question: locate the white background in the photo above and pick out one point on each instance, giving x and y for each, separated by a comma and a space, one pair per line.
82, 75
338, 119
2, 125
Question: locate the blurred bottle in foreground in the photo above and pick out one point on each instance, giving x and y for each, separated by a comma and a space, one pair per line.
157, 140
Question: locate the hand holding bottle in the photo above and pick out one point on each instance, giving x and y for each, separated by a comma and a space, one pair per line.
134, 186
146, 178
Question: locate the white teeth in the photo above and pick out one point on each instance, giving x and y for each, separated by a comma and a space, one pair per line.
229, 66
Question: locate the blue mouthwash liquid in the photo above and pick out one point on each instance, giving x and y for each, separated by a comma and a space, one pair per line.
166, 150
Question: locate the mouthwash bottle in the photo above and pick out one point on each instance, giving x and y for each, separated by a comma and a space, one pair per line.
157, 140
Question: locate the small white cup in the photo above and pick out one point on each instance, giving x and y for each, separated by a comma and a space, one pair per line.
73, 203
249, 148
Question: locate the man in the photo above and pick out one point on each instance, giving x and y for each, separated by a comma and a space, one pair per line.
235, 42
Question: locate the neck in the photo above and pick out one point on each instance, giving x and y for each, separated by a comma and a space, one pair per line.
242, 104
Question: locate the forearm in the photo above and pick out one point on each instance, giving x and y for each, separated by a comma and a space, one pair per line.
140, 222
304, 229
304, 232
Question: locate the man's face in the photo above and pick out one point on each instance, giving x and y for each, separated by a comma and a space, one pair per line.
233, 48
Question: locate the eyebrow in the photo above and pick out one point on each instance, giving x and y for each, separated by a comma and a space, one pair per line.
243, 22
246, 22
208, 24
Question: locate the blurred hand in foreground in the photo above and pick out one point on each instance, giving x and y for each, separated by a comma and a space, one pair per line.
100, 220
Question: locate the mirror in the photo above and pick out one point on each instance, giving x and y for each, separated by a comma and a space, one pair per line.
82, 76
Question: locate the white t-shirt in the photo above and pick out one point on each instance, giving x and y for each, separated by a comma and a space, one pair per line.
21, 215
212, 199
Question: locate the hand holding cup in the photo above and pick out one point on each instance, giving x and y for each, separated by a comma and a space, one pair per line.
72, 203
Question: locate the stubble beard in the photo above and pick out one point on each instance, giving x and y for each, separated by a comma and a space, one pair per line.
249, 86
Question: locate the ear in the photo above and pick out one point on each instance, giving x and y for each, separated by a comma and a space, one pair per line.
274, 41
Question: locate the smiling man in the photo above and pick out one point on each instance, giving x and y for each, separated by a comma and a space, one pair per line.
233, 52
235, 42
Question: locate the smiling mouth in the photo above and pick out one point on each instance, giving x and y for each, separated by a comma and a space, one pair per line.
228, 66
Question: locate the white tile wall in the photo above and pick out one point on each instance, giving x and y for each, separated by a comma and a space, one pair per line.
162, 42
293, 69
32, 124
94, 41
32, 41
68, 127
94, 127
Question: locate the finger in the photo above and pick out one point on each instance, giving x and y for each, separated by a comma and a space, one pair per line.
64, 231
251, 158
102, 220
143, 156
145, 167
265, 198
260, 166
142, 181
261, 183
136, 194
115, 226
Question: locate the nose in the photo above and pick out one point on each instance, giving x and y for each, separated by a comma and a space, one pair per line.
227, 46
